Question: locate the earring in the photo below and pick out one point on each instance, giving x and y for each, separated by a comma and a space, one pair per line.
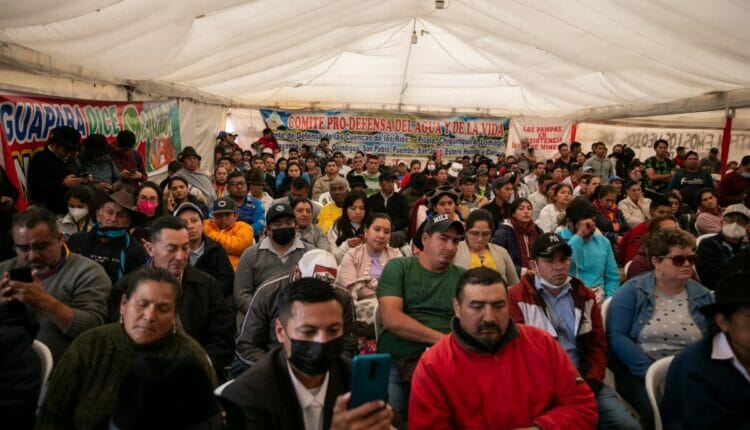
120, 318
174, 328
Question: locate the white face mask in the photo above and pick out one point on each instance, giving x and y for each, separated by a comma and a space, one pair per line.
733, 231
430, 167
78, 213
552, 286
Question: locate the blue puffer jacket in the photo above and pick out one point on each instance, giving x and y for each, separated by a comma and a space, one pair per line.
505, 236
633, 306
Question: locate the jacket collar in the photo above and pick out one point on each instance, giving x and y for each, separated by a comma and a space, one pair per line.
472, 345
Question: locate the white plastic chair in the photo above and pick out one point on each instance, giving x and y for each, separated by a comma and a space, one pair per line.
605, 307
703, 236
625, 269
45, 357
378, 322
656, 378
218, 390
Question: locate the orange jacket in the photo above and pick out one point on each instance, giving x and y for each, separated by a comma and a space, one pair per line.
235, 239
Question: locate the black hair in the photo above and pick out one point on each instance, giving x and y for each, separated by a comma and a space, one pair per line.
80, 192
343, 225
35, 215
659, 201
174, 166
413, 162
745, 160
125, 139
165, 222
177, 178
659, 142
606, 189
298, 201
159, 195
478, 276
705, 190
561, 146
376, 216
266, 130
235, 174
293, 148
307, 291
629, 184
299, 183
229, 159
154, 274
479, 215
371, 157
516, 204
65, 136
689, 153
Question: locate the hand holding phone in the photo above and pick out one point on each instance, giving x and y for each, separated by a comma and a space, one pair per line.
21, 274
369, 381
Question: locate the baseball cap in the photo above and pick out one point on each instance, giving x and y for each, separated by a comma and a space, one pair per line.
187, 206
502, 180
482, 171
319, 264
387, 174
464, 179
455, 169
614, 178
738, 208
441, 223
587, 169
277, 211
546, 245
224, 205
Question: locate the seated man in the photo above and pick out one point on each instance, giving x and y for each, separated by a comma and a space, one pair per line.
393, 204
708, 386
68, 293
257, 335
203, 312
249, 209
235, 236
549, 299
714, 253
303, 383
206, 254
491, 373
299, 189
109, 243
414, 296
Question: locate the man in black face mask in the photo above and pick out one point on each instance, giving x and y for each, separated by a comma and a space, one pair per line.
303, 383
274, 256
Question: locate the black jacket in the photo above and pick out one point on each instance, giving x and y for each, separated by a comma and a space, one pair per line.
107, 251
45, 179
498, 214
204, 314
215, 262
397, 209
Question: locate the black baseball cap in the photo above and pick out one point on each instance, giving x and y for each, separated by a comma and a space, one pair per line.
441, 224
547, 244
278, 211
225, 205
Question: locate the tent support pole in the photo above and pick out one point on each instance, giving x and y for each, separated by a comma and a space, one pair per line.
726, 138
573, 131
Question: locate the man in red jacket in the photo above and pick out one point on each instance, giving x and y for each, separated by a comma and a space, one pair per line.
491, 373
548, 298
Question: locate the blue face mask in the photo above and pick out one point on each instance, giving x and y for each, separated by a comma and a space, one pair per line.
745, 175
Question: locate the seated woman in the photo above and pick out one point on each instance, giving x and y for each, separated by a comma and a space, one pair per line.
293, 170
109, 242
634, 207
360, 270
708, 217
78, 218
640, 263
708, 384
550, 216
685, 217
609, 219
477, 251
149, 205
517, 234
348, 231
307, 231
84, 386
655, 315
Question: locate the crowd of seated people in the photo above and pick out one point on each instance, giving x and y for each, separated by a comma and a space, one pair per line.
479, 277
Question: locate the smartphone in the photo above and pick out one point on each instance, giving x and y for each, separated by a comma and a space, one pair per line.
369, 382
22, 274
84, 174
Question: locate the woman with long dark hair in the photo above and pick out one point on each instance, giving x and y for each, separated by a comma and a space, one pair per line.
348, 231
149, 205
517, 234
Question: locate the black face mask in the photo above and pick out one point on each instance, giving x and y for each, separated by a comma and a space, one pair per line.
315, 358
283, 236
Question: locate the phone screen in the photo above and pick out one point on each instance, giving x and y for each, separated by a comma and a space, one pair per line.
22, 274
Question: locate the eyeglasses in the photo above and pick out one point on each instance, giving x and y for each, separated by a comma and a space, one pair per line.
679, 260
38, 247
237, 184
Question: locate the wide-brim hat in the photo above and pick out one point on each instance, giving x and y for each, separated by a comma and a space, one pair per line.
730, 290
189, 151
434, 195
124, 199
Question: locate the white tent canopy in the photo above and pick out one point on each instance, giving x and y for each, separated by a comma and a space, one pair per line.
550, 58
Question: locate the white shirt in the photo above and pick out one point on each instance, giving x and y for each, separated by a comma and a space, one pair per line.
311, 401
723, 351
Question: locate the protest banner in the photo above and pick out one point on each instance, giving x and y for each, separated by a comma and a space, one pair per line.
26, 121
399, 135
543, 135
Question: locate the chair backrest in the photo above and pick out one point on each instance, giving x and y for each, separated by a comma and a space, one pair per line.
45, 357
656, 377
703, 236
627, 266
378, 322
218, 390
605, 307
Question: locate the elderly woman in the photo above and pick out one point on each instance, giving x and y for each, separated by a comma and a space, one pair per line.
477, 251
83, 389
550, 216
307, 231
360, 270
708, 217
634, 207
655, 315
517, 234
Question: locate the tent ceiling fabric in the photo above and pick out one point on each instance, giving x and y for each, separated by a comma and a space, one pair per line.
500, 56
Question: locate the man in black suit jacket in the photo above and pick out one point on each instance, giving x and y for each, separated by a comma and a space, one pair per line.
303, 383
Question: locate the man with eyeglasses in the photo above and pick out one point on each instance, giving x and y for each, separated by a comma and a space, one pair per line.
550, 299
67, 292
249, 209
415, 297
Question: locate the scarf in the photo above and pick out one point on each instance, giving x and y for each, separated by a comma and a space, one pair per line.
525, 236
610, 213
116, 233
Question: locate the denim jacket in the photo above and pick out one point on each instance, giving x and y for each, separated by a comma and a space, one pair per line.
633, 306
